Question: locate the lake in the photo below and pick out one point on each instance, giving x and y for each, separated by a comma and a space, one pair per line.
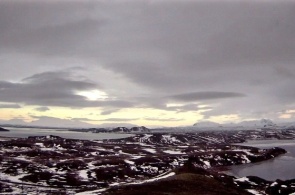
281, 167
25, 132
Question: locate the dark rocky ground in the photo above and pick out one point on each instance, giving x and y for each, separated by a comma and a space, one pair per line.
135, 165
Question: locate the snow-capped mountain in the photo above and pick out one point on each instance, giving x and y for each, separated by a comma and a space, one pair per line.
251, 124
257, 123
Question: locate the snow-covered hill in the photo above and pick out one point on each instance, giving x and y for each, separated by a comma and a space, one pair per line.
257, 123
250, 125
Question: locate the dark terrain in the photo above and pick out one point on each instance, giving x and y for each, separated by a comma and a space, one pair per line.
152, 163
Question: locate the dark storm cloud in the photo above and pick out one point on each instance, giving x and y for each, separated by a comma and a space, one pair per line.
54, 89
237, 53
48, 28
42, 109
206, 45
60, 89
54, 40
49, 88
205, 95
9, 106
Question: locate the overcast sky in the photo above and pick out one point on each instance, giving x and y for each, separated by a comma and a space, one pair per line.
154, 62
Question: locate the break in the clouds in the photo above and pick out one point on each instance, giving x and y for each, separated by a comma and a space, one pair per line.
208, 57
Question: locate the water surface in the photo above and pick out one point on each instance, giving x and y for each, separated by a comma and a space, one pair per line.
282, 167
26, 132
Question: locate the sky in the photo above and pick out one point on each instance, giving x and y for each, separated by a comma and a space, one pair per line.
152, 63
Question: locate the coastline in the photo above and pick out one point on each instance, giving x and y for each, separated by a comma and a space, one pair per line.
277, 168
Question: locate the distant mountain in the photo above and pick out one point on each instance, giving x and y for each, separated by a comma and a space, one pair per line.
114, 125
287, 125
61, 123
47, 122
50, 121
13, 122
133, 129
140, 129
263, 123
206, 124
252, 124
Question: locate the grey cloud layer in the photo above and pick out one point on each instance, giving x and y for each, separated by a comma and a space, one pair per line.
9, 106
237, 53
60, 89
119, 119
162, 119
53, 89
42, 109
205, 95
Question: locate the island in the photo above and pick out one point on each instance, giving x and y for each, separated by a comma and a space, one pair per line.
2, 129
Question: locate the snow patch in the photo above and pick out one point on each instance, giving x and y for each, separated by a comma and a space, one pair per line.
163, 176
150, 150
242, 179
255, 192
273, 184
92, 192
173, 152
129, 162
83, 175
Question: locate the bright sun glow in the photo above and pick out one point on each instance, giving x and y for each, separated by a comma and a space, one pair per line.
93, 95
174, 105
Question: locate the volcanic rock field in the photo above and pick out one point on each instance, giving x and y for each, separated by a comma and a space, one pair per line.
156, 161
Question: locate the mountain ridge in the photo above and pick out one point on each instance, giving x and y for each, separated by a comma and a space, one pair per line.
262, 123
